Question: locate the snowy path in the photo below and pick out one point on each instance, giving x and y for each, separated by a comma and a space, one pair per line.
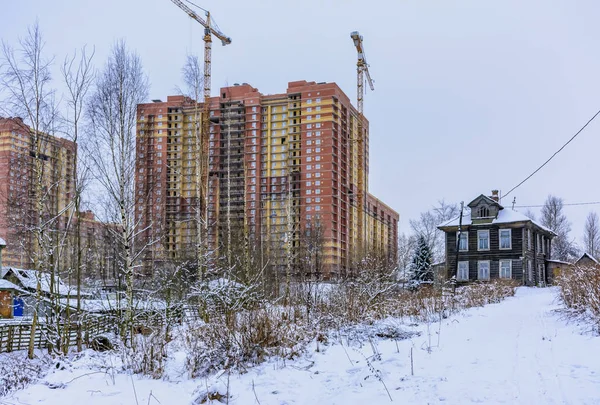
515, 352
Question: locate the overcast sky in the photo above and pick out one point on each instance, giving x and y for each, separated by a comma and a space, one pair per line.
469, 95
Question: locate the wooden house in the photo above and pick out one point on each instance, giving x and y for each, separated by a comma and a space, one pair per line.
496, 242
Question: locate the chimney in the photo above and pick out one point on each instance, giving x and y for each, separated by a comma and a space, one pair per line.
495, 196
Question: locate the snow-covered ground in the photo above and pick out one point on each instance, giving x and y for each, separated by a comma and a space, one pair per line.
520, 351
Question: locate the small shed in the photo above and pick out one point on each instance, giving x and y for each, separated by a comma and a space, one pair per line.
555, 268
587, 260
9, 300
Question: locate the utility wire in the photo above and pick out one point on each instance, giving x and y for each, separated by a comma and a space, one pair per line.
555, 153
571, 204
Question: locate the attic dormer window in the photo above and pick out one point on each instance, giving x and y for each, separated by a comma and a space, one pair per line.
483, 212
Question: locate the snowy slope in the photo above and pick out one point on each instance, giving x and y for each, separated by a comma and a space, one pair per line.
517, 352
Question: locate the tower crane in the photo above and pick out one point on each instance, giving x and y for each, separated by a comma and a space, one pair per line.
362, 70
209, 31
202, 160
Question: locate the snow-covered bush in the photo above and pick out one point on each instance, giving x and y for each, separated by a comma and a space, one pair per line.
253, 336
484, 293
16, 371
580, 291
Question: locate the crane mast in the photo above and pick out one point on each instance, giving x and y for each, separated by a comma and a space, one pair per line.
202, 160
362, 71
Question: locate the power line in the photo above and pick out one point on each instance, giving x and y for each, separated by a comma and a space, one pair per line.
555, 153
571, 204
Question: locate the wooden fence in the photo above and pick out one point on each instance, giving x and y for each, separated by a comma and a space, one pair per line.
16, 336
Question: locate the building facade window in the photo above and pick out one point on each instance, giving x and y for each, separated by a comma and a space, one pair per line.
463, 244
505, 239
483, 270
505, 268
483, 212
483, 240
463, 271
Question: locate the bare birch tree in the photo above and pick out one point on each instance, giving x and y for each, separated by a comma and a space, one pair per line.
427, 223
120, 87
553, 217
25, 77
78, 75
193, 78
591, 235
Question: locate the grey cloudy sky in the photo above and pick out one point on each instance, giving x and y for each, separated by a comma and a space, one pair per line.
470, 95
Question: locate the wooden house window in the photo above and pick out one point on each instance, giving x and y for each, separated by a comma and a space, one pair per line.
463, 244
463, 271
529, 239
483, 240
483, 212
483, 270
505, 268
505, 239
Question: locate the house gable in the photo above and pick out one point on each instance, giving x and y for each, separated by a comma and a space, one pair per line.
484, 209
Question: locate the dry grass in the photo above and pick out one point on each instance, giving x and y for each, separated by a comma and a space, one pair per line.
580, 291
249, 336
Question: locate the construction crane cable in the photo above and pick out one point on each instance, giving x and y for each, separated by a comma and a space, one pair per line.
555, 153
195, 5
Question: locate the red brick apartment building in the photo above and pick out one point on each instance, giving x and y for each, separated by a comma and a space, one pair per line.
16, 185
17, 211
279, 164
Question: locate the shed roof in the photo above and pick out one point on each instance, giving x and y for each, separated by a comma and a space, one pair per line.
28, 279
589, 256
7, 285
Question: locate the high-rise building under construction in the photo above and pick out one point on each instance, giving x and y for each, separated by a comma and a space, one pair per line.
282, 170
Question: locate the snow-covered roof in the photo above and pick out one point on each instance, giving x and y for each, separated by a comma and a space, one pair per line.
486, 198
111, 304
7, 285
2, 242
589, 256
505, 216
28, 279
557, 261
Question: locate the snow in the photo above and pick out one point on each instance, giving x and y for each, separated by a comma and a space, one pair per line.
520, 351
28, 279
2, 242
505, 216
7, 285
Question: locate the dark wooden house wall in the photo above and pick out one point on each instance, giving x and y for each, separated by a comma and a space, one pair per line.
494, 255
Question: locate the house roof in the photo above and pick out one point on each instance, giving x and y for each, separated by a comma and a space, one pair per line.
589, 256
28, 279
2, 242
489, 200
7, 285
505, 216
557, 261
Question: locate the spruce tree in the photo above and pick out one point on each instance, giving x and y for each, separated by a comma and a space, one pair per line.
421, 264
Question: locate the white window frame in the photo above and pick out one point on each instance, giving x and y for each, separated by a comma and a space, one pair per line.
480, 232
460, 276
509, 238
509, 269
467, 239
479, 263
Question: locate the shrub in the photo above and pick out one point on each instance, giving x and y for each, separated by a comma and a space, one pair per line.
580, 291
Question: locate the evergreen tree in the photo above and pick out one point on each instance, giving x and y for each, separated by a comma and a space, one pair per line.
422, 269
